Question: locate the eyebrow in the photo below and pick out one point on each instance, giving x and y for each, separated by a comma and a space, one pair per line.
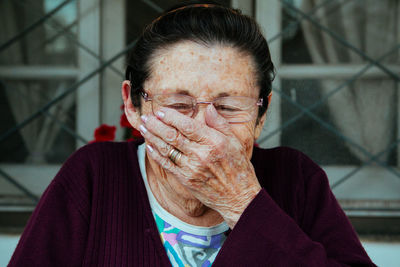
183, 92
223, 94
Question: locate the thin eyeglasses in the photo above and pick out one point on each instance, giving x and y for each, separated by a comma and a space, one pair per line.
235, 109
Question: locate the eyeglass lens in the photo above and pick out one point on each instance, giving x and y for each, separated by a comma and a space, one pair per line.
234, 109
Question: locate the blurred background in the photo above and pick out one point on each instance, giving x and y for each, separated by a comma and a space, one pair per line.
335, 97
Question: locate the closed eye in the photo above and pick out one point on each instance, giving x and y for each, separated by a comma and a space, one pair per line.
180, 106
227, 108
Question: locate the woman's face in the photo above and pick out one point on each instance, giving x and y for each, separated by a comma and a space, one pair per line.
205, 73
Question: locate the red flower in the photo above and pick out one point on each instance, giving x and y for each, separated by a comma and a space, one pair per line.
104, 133
124, 121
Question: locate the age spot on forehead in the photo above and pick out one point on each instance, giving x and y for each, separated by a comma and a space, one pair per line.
198, 69
203, 58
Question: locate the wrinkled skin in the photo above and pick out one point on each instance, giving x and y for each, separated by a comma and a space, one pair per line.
214, 179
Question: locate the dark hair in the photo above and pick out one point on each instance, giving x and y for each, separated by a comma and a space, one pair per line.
207, 23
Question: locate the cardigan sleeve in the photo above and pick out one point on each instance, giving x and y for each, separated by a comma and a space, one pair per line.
267, 236
56, 232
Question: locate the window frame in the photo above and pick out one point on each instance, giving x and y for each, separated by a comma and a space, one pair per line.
96, 100
269, 14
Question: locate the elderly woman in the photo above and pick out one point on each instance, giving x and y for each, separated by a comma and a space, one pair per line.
196, 191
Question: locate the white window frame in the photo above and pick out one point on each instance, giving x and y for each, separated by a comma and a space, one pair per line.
101, 28
373, 187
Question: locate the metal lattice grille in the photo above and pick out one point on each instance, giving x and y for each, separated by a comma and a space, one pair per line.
303, 111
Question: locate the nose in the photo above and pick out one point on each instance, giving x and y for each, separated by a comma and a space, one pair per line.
199, 113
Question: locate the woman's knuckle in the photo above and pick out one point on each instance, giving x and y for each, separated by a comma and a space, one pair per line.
180, 142
170, 135
205, 156
219, 149
189, 126
220, 146
164, 149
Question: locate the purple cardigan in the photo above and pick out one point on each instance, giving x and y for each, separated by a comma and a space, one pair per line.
96, 213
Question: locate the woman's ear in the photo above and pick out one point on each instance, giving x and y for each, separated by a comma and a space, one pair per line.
126, 91
131, 112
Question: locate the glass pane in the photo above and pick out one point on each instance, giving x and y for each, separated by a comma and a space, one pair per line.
339, 32
51, 42
359, 115
44, 139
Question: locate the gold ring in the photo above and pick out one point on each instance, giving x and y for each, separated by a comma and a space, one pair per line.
174, 155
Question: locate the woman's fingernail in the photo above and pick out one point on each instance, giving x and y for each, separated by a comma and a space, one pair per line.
160, 114
149, 148
144, 118
142, 129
